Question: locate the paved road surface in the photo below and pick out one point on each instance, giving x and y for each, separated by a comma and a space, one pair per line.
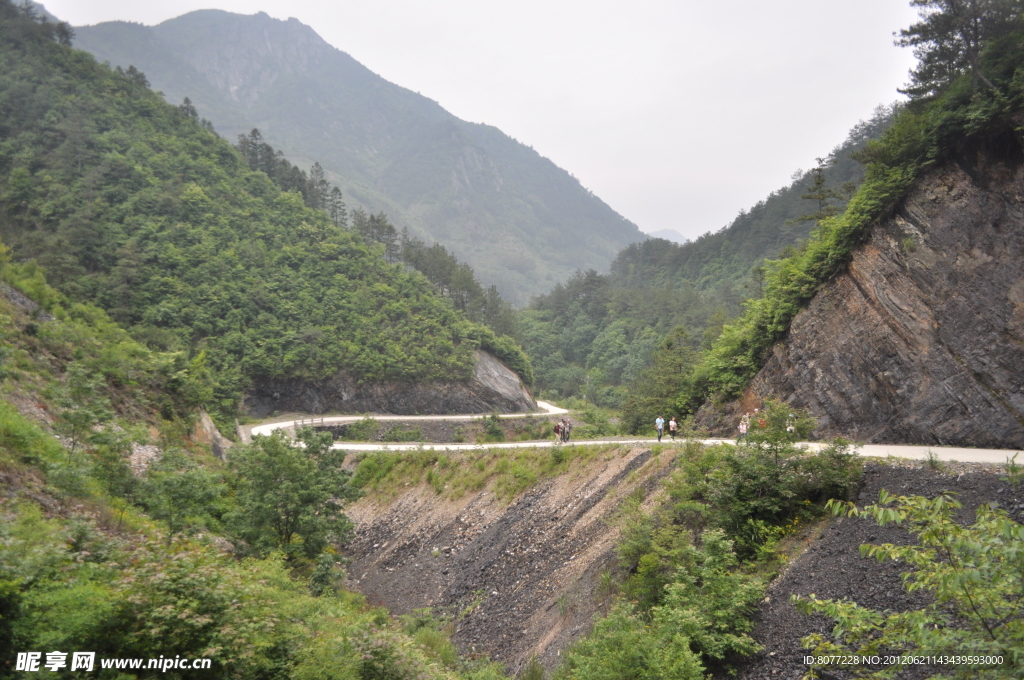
945, 453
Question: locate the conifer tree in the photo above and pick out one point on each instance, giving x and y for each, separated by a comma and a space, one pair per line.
949, 38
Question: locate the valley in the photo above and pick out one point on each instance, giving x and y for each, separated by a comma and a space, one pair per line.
271, 418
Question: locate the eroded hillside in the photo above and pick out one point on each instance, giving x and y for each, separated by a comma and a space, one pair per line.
521, 577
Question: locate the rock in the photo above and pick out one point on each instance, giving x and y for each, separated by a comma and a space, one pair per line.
28, 305
207, 433
493, 387
921, 339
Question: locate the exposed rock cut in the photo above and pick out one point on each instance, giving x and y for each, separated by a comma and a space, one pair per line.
922, 338
520, 579
493, 387
206, 432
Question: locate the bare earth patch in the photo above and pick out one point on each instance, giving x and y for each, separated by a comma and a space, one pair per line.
520, 577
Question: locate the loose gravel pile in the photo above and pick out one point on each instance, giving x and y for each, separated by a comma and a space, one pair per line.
833, 568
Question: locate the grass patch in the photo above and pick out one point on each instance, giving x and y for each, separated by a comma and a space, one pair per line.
454, 474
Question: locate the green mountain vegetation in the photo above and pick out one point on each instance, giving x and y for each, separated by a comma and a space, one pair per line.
137, 207
597, 333
138, 566
967, 95
495, 203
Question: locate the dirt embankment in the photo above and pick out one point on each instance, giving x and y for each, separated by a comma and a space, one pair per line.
521, 578
832, 567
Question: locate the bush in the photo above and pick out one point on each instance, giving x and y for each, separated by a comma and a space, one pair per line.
493, 430
703, 614
974, 576
360, 431
288, 493
401, 434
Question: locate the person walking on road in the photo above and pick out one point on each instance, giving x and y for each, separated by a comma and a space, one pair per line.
672, 427
566, 430
659, 425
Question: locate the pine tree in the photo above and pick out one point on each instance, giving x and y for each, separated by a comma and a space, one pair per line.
950, 37
821, 194
317, 188
336, 208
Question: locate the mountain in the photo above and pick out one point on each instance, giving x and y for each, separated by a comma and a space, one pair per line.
901, 318
598, 332
134, 206
522, 222
670, 235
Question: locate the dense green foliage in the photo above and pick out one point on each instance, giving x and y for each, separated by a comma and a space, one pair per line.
950, 37
926, 132
974, 574
133, 205
289, 494
498, 204
692, 571
596, 334
452, 279
81, 566
704, 615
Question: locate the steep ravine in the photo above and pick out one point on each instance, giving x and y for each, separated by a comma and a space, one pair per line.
921, 339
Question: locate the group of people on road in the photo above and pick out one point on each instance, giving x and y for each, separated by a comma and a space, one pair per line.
563, 428
659, 425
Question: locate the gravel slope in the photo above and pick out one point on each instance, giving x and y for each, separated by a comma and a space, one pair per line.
833, 568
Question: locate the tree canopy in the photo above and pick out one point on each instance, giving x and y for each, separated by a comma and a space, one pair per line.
137, 206
950, 37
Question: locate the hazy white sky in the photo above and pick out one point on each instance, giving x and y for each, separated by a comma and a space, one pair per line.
676, 113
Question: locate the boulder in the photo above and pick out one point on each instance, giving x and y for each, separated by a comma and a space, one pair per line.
206, 432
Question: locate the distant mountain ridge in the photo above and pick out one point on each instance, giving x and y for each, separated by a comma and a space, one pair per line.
523, 223
670, 235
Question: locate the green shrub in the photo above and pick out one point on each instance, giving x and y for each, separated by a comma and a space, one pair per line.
360, 431
702, 612
402, 434
493, 430
974, 579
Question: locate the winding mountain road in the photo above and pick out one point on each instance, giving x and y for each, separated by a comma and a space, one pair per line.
913, 452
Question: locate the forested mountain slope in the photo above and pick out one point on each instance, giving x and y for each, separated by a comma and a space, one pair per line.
602, 329
900, 318
496, 203
131, 204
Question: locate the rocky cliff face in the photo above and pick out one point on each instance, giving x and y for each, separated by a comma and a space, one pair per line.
922, 338
493, 387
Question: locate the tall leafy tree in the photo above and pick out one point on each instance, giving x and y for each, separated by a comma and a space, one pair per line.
292, 496
949, 39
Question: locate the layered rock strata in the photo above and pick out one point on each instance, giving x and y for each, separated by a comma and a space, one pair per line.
493, 387
921, 339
